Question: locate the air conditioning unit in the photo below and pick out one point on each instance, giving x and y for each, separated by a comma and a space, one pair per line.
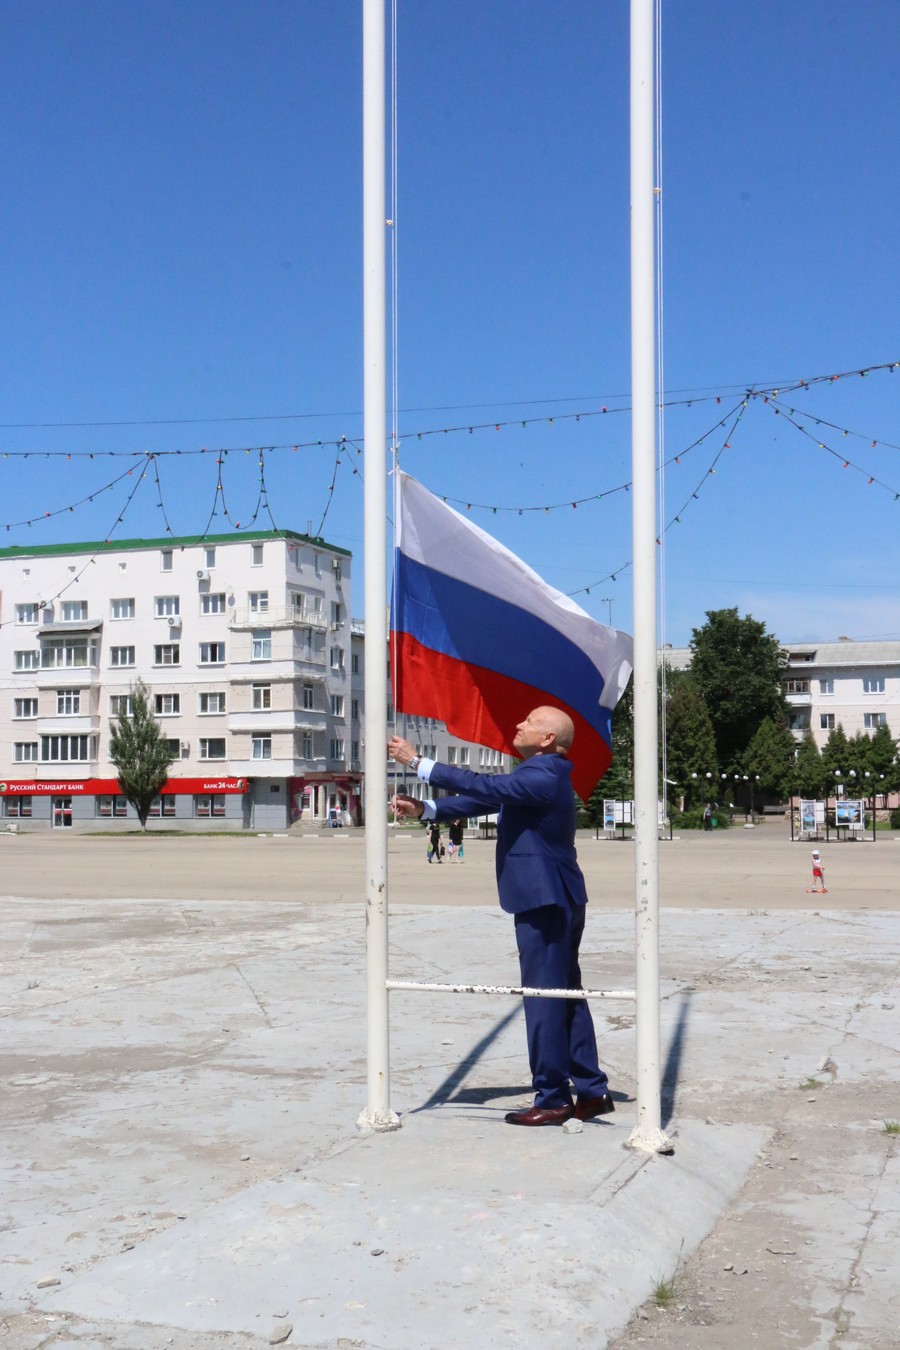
202, 574
185, 746
174, 621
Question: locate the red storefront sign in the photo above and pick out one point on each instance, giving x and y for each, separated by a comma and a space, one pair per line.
103, 787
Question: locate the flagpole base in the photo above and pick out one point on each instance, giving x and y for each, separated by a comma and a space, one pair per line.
372, 1121
649, 1141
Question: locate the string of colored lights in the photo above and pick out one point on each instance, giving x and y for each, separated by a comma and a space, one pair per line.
82, 501
872, 479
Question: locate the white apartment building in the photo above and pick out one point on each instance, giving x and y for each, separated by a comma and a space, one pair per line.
244, 643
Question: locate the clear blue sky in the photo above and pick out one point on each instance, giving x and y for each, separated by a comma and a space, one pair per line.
181, 256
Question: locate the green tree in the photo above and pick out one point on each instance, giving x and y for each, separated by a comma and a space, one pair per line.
835, 756
738, 670
771, 756
810, 770
618, 781
140, 753
883, 759
691, 745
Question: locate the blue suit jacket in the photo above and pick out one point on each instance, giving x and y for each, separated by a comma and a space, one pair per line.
536, 859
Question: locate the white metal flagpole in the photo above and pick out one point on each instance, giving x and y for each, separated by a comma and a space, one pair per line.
377, 1114
647, 1134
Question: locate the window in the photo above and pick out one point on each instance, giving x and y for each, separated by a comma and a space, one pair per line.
797, 687
337, 658
68, 702
336, 568
309, 697
73, 611
826, 686
337, 612
260, 645
25, 752
307, 750
28, 613
354, 663
175, 747
873, 720
261, 747
70, 651
19, 807
163, 806
166, 654
451, 754
120, 705
337, 748
121, 656
212, 653
212, 602
165, 560
167, 606
354, 709
337, 705
168, 705
463, 754
25, 707
797, 721
256, 555
209, 555
261, 696
121, 609
259, 602
354, 749
112, 806
873, 684
212, 703
390, 712
826, 721
65, 749
27, 660
209, 804
212, 747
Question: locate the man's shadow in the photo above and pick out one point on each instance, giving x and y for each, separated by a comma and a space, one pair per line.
447, 1091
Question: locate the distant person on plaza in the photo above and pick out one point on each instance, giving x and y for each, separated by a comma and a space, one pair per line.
457, 839
434, 841
818, 871
707, 817
539, 882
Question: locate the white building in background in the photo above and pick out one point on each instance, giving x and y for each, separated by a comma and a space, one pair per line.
254, 667
852, 684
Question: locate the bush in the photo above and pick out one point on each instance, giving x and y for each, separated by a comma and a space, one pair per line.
692, 819
895, 817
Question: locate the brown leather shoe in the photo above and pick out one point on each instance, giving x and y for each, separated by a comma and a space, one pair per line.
587, 1108
537, 1115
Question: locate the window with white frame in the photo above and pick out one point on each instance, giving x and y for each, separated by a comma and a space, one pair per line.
354, 749
796, 686
261, 645
120, 705
451, 754
121, 656
797, 721
209, 804
212, 653
29, 613
256, 555
260, 697
26, 660
337, 747
309, 698
122, 608
873, 720
337, 658
174, 746
163, 806
165, 560
259, 602
68, 702
211, 703
25, 752
167, 654
212, 602
261, 747
826, 721
24, 708
74, 611
209, 555
464, 755
873, 684
337, 612
168, 705
826, 685
65, 749
212, 747
167, 606
64, 652
307, 746
112, 806
354, 709
18, 807
337, 705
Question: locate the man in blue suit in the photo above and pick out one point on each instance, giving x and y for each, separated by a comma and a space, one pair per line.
540, 883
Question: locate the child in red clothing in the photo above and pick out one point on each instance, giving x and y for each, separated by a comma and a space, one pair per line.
818, 875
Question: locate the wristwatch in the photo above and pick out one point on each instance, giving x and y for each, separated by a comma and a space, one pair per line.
415, 762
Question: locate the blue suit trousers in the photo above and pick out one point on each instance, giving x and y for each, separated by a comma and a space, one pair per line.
562, 1046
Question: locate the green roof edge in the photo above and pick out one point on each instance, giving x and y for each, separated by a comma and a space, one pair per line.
170, 541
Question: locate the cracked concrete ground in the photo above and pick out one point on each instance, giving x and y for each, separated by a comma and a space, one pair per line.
184, 1060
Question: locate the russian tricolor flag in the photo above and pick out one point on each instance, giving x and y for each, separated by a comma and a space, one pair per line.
478, 639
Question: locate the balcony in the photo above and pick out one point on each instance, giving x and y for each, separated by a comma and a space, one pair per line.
261, 721
798, 700
278, 618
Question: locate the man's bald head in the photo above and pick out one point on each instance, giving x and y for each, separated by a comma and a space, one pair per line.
545, 731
